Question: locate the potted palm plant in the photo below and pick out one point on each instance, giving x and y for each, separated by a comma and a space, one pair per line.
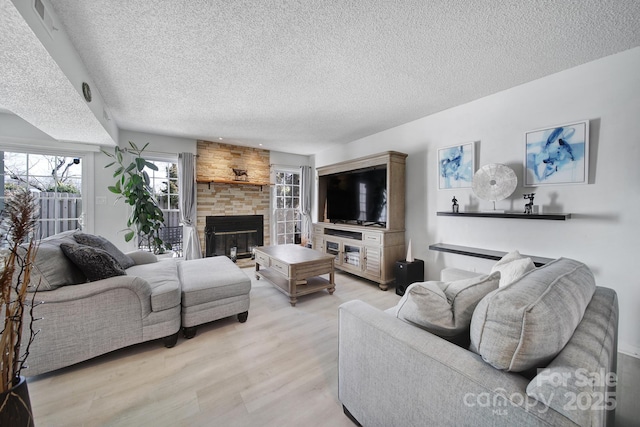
134, 186
18, 252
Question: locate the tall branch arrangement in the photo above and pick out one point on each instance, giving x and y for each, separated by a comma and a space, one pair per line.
18, 252
134, 185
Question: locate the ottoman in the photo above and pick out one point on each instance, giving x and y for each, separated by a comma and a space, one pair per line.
212, 288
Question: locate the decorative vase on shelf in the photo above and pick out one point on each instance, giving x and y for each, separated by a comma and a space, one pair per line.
15, 406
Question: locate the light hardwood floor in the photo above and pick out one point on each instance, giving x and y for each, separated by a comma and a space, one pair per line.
277, 369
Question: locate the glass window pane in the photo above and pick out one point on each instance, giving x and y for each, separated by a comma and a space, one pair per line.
12, 183
15, 163
56, 181
72, 187
173, 186
164, 183
286, 213
75, 169
171, 218
46, 228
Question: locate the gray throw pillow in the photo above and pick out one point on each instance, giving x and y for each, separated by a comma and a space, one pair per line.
526, 324
95, 263
100, 242
444, 308
51, 268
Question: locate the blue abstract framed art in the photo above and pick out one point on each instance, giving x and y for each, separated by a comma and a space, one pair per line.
456, 166
557, 155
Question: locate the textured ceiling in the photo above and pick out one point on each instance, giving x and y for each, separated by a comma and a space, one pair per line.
298, 76
33, 87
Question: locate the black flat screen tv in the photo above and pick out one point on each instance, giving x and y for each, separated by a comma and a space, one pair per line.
358, 196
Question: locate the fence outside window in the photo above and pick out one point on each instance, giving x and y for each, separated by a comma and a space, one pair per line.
55, 180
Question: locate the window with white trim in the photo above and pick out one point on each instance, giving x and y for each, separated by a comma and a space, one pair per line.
287, 207
55, 180
164, 183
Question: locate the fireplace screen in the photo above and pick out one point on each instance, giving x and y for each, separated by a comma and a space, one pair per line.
240, 231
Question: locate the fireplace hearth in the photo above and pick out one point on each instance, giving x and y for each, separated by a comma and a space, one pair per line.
227, 231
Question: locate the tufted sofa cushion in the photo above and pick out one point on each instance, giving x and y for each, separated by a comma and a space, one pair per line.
526, 324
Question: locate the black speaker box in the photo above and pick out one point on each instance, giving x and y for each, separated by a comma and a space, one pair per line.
407, 273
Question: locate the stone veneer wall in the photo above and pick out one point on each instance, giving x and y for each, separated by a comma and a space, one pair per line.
215, 161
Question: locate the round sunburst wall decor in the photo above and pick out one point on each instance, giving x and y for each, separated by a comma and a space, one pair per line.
494, 182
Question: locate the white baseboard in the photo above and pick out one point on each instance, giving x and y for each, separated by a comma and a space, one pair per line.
629, 350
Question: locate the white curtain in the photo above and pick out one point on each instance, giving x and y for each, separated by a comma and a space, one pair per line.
187, 198
305, 202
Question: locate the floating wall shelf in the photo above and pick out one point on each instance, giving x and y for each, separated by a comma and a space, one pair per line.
553, 217
482, 253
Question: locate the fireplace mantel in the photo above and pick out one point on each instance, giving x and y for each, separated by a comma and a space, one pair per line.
231, 181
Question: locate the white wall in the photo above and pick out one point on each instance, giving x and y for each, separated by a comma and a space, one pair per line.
288, 160
604, 230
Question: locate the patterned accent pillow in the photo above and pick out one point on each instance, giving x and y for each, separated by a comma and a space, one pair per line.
100, 242
444, 308
95, 263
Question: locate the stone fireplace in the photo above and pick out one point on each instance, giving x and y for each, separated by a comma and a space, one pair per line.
240, 231
220, 196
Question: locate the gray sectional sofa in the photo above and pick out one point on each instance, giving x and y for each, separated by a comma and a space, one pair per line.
395, 372
81, 319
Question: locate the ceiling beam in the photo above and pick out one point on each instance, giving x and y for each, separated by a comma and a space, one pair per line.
42, 79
